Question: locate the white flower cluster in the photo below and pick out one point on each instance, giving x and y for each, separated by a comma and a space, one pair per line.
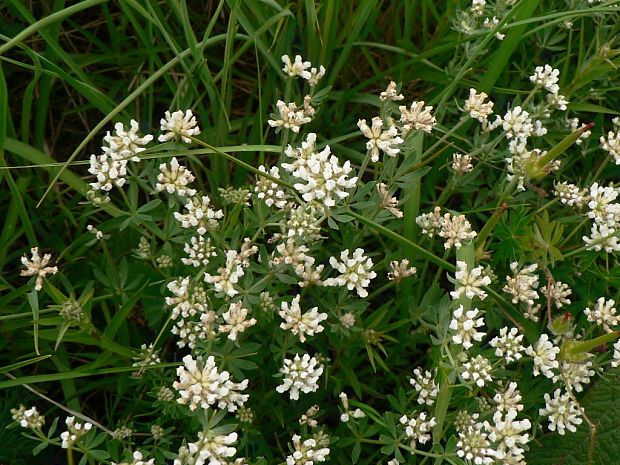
306, 452
200, 215
545, 356
290, 116
28, 418
209, 449
469, 282
110, 168
229, 275
455, 229
379, 140
461, 164
478, 370
604, 314
299, 324
201, 385
179, 125
137, 459
37, 266
508, 344
355, 271
424, 384
199, 251
418, 117
236, 321
269, 191
563, 413
174, 179
605, 212
300, 374
74, 431
522, 287
387, 201
302, 69
391, 93
464, 327
400, 270
476, 106
418, 428
347, 414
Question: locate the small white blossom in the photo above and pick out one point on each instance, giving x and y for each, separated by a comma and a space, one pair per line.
602, 237
400, 270
611, 144
455, 230
418, 117
615, 361
137, 459
228, 275
570, 194
269, 191
464, 326
74, 432
93, 230
546, 77
508, 344
474, 445
355, 272
199, 215
386, 141
544, 354
517, 123
477, 369
199, 251
461, 164
564, 414
558, 293
236, 321
469, 282
37, 266
300, 374
476, 106
288, 116
558, 101
576, 374
509, 399
28, 418
418, 429
387, 201
316, 75
209, 449
299, 324
424, 384
523, 284
179, 125
390, 93
300, 155
509, 434
347, 320
348, 414
296, 69
175, 179
604, 314
307, 452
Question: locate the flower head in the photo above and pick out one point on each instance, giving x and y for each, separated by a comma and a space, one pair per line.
37, 266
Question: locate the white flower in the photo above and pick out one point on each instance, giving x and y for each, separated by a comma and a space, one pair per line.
576, 374
510, 435
455, 230
544, 355
110, 170
125, 143
615, 362
295, 69
602, 237
604, 314
355, 272
288, 116
347, 320
424, 384
564, 414
418, 429
300, 374
558, 101
570, 194
178, 125
400, 270
74, 432
508, 344
37, 266
28, 418
391, 93
236, 321
473, 445
574, 126
348, 414
430, 223
137, 459
461, 164
603, 209
546, 77
611, 144
325, 180
200, 384
558, 292
211, 449
316, 75
476, 107
509, 399
517, 123
522, 286
469, 283
199, 251
185, 303
386, 141
199, 215
93, 230
387, 201
477, 369
300, 155
307, 452
228, 275
301, 324
175, 179
269, 191
417, 117
464, 326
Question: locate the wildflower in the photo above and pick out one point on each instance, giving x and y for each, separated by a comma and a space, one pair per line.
417, 117
146, 356
302, 223
269, 191
157, 432
300, 155
576, 374
316, 75
228, 275
212, 448
544, 355
574, 126
239, 196
469, 283
558, 101
431, 223
199, 215
418, 429
28, 418
199, 251
300, 374
615, 361
301, 324
476, 107
455, 230
348, 414
400, 270
558, 293
37, 266
347, 320
355, 272
297, 68
509, 434
236, 321
464, 325
517, 123
523, 284
179, 125
477, 369
509, 399
379, 140
602, 237
125, 143
165, 394
564, 414
200, 384
387, 201
391, 93
570, 194
611, 144
473, 445
477, 7
546, 77
307, 452
122, 432
137, 459
325, 180
175, 179
291, 253
424, 384
74, 432
91, 229
604, 314
461, 164
508, 344
491, 23
603, 209
185, 302
288, 116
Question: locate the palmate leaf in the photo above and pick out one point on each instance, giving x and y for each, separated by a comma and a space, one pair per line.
602, 405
